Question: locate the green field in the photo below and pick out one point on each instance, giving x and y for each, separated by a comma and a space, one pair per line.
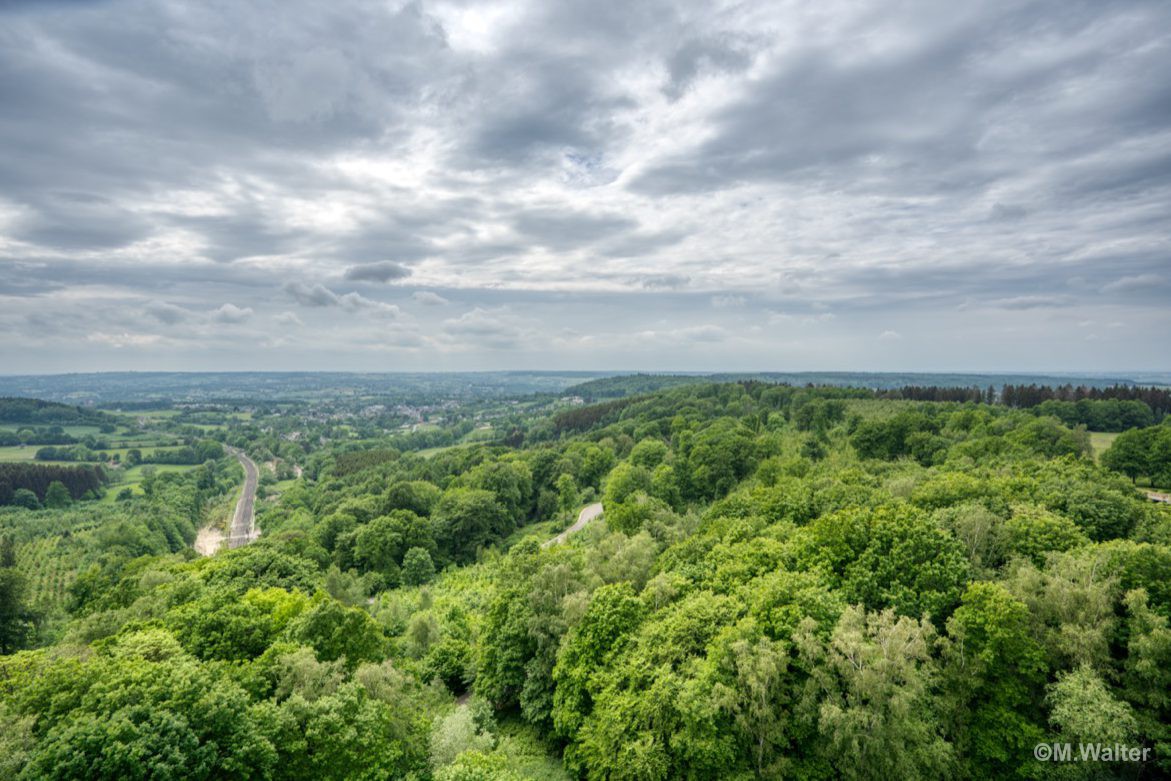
1101, 441
18, 453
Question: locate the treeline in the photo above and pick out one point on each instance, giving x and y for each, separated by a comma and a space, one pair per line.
79, 480
20, 410
37, 437
943, 393
1115, 408
1026, 396
1099, 414
188, 455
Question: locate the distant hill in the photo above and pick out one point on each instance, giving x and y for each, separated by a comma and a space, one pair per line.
164, 388
632, 384
35, 412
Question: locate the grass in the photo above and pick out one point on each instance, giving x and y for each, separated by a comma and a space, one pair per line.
1100, 442
14, 453
428, 452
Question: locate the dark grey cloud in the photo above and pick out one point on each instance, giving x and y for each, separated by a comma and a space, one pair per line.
311, 295
166, 312
697, 54
78, 221
317, 295
385, 271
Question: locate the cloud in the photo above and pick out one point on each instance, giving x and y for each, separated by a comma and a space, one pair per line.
288, 320
1137, 282
230, 313
427, 298
123, 339
318, 295
311, 295
494, 328
890, 336
576, 167
665, 281
166, 312
563, 230
1029, 302
696, 55
384, 271
728, 301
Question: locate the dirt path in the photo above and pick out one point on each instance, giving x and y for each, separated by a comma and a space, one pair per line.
587, 514
208, 541
243, 529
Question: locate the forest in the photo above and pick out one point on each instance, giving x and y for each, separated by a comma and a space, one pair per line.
785, 582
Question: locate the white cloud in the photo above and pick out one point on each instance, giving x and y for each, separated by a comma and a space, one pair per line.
288, 319
230, 313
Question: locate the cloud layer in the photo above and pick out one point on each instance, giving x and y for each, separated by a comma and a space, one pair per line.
465, 184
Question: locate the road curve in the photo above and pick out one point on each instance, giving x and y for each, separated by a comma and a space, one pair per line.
587, 514
243, 529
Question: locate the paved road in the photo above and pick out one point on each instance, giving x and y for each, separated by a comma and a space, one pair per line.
587, 514
243, 529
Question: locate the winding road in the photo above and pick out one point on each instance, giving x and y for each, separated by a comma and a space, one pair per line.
243, 529
587, 514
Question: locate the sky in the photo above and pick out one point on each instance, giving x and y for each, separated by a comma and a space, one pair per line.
585, 184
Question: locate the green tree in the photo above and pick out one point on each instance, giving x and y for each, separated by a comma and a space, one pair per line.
1083, 710
1033, 532
22, 497
1130, 453
994, 675
648, 453
468, 519
147, 710
57, 496
613, 613
16, 619
338, 632
875, 711
568, 497
417, 567
755, 696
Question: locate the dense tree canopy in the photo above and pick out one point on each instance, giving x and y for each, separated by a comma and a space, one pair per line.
784, 583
